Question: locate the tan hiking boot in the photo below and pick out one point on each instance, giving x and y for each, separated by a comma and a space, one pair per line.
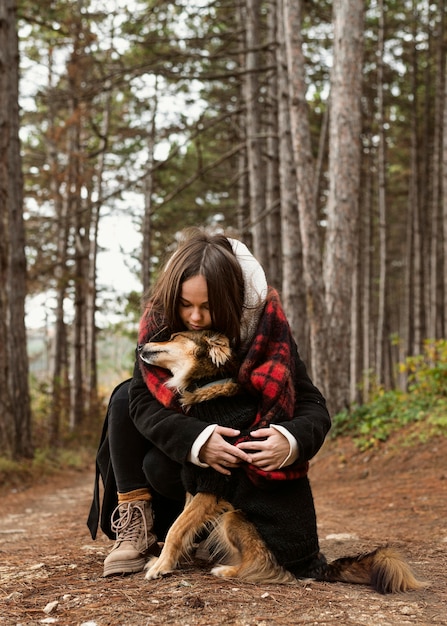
132, 522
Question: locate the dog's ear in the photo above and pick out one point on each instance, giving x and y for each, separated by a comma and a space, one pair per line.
218, 349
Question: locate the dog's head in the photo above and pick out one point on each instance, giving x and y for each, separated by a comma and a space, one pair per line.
191, 356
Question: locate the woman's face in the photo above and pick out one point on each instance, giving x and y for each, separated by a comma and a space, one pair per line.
193, 306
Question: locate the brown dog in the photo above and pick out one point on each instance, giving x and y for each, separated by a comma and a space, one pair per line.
191, 356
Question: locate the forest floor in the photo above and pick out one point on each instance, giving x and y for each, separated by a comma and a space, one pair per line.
51, 570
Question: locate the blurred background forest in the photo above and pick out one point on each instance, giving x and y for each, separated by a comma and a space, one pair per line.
314, 131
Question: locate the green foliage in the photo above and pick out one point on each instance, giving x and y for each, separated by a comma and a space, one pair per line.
427, 372
46, 462
422, 409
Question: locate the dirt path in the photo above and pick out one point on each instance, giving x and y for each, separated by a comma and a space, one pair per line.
50, 569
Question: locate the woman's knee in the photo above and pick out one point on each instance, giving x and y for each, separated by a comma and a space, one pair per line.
119, 403
163, 475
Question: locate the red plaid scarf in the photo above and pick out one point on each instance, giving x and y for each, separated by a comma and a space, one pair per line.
267, 371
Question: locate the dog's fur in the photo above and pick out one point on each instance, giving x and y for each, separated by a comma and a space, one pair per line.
192, 356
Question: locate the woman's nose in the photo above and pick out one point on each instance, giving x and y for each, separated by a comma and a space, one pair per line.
195, 314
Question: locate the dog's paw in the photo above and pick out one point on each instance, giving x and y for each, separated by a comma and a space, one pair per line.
152, 575
150, 562
224, 571
156, 569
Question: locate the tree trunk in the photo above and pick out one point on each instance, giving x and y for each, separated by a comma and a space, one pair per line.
308, 219
15, 417
6, 410
365, 253
243, 199
355, 329
91, 361
343, 199
60, 397
148, 199
293, 291
415, 196
256, 169
381, 166
17, 338
434, 318
444, 201
81, 220
272, 192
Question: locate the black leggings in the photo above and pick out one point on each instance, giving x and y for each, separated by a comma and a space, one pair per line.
136, 463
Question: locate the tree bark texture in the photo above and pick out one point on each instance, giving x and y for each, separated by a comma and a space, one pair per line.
255, 144
308, 219
343, 199
6, 415
17, 416
293, 288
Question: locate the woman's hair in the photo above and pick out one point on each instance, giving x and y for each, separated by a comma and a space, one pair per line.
210, 256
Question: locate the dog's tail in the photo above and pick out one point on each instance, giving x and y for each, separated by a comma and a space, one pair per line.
384, 569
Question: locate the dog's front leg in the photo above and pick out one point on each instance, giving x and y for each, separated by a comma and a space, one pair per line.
200, 511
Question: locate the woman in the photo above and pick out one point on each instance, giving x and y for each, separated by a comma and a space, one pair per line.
214, 282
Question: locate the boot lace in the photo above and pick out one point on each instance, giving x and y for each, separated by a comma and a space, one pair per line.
126, 522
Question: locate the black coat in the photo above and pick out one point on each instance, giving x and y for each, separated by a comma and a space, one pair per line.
282, 511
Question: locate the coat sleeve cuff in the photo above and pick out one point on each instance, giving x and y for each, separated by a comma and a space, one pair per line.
197, 445
293, 451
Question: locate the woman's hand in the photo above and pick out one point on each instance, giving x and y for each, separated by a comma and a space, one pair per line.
270, 452
221, 455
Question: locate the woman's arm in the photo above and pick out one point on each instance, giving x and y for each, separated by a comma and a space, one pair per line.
311, 421
175, 433
308, 427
